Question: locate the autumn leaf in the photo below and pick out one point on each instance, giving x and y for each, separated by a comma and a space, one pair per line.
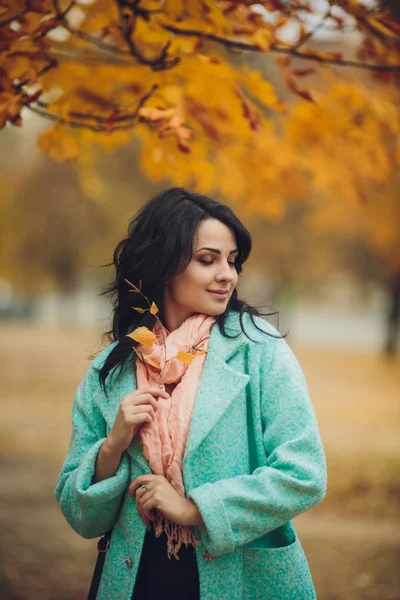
160, 73
292, 85
169, 121
199, 110
10, 109
262, 38
249, 110
302, 72
152, 363
149, 113
385, 25
143, 336
261, 89
61, 145
185, 357
153, 308
284, 61
138, 309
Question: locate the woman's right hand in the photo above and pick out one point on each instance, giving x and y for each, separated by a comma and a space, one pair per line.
134, 410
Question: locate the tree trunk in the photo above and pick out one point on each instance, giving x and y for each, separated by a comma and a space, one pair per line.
393, 316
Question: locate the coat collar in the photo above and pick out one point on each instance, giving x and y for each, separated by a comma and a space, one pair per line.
219, 385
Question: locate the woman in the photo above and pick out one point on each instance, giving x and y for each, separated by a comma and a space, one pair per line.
194, 437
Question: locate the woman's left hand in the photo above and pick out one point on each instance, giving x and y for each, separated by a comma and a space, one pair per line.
162, 496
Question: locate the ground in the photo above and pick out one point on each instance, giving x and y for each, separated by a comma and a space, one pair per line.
352, 539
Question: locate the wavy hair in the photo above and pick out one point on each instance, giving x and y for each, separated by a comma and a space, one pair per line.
159, 245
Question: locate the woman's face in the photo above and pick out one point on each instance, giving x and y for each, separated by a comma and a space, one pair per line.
212, 269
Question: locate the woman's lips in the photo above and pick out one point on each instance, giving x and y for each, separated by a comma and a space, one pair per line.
219, 295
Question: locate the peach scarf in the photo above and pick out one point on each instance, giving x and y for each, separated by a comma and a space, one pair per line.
164, 439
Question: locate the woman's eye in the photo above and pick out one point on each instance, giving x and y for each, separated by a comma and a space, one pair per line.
210, 262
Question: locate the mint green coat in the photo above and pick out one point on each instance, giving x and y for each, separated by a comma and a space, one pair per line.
253, 461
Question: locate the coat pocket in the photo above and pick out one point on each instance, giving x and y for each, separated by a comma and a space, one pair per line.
277, 573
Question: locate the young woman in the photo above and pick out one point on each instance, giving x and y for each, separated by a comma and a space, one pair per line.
194, 438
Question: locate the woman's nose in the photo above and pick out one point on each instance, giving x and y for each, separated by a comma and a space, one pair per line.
225, 274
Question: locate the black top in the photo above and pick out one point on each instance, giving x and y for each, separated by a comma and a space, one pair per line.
160, 577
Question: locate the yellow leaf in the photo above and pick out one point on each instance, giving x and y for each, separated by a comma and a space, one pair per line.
149, 34
155, 114
152, 363
153, 308
139, 310
174, 9
385, 25
143, 336
261, 89
262, 38
185, 357
59, 144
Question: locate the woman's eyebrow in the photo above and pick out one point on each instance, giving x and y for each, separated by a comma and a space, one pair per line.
216, 250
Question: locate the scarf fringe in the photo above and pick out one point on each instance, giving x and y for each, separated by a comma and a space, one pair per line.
176, 534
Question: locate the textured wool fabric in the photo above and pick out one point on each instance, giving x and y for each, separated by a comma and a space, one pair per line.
164, 439
253, 461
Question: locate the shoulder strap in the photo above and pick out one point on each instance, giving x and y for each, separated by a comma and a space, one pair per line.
102, 547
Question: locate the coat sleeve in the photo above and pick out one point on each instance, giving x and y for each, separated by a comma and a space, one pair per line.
240, 509
90, 509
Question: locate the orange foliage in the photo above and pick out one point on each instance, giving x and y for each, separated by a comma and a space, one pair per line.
185, 357
108, 71
107, 65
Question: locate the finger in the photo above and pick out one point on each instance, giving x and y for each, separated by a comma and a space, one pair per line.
153, 400
145, 512
147, 503
140, 480
132, 489
146, 399
155, 391
146, 416
142, 408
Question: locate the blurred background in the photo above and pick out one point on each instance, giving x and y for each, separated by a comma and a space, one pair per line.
329, 266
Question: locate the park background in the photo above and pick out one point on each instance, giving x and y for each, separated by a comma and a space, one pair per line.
328, 266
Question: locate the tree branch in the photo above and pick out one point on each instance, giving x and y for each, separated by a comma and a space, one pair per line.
127, 28
51, 65
15, 18
312, 31
86, 36
275, 48
78, 120
158, 63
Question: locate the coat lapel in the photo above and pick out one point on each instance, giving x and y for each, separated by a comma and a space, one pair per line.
219, 385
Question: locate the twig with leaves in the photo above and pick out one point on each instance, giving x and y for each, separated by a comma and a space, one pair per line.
147, 338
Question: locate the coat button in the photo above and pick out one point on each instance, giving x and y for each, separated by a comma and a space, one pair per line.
129, 562
207, 556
